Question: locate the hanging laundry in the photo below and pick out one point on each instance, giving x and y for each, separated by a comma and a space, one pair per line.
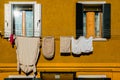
86, 45
27, 53
82, 45
76, 46
12, 40
65, 44
48, 47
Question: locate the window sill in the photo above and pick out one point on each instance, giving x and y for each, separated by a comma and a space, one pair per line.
92, 2
99, 39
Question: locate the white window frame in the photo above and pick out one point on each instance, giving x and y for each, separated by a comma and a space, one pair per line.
37, 32
92, 2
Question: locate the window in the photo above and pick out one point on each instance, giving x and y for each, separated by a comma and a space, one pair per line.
22, 19
93, 19
58, 75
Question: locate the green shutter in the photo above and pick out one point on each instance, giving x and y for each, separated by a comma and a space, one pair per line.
106, 32
79, 20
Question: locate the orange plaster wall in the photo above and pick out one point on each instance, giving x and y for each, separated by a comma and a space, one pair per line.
58, 19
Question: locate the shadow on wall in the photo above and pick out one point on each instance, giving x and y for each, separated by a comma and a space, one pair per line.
76, 55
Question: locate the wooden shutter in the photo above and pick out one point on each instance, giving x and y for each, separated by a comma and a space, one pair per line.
79, 20
7, 21
106, 30
37, 20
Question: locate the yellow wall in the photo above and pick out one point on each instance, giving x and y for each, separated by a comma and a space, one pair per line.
111, 70
58, 19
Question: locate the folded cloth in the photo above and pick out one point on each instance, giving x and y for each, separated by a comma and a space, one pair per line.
27, 53
48, 47
82, 44
65, 44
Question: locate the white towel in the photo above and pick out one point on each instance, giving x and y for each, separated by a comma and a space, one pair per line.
27, 53
86, 44
76, 46
82, 44
65, 44
48, 47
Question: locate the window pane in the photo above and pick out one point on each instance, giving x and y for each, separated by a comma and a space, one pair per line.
84, 24
18, 22
29, 23
23, 19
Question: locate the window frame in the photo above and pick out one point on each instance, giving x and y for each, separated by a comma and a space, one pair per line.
14, 18
36, 20
79, 20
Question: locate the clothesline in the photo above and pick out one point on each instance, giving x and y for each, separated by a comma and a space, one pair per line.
55, 37
41, 37
58, 37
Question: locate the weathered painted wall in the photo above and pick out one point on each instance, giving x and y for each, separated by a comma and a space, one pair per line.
58, 19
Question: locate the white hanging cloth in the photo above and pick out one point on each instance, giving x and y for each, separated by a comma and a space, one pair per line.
65, 44
82, 45
27, 53
76, 46
86, 44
